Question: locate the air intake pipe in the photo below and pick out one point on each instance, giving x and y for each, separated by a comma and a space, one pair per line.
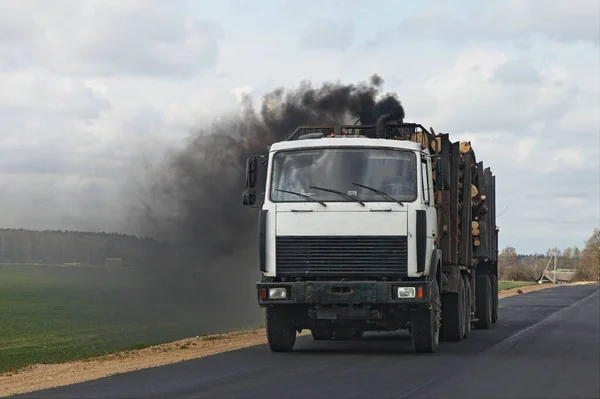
385, 118
380, 125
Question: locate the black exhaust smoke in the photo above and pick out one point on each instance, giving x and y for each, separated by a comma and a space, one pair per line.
204, 180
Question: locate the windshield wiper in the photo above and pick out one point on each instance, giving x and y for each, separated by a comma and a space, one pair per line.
384, 195
339, 193
301, 195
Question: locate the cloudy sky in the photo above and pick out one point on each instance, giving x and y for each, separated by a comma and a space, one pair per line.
91, 92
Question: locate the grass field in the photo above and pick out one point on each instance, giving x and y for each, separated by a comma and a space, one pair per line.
507, 285
57, 314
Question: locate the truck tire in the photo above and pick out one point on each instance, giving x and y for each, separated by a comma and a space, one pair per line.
453, 313
281, 333
425, 324
322, 335
467, 283
494, 281
483, 302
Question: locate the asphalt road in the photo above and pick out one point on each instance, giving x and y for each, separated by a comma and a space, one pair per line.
545, 345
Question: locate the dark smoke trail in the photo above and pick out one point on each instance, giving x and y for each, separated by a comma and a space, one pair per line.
206, 179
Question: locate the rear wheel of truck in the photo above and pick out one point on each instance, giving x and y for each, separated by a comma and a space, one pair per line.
425, 324
281, 333
453, 313
494, 281
483, 302
467, 283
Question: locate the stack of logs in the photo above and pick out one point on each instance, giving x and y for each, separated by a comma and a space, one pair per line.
464, 148
478, 205
479, 208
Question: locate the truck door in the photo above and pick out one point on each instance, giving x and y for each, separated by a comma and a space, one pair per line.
428, 201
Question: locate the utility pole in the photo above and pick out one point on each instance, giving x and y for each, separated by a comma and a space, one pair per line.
554, 277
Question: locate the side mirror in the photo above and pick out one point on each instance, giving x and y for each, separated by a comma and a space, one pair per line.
251, 168
256, 176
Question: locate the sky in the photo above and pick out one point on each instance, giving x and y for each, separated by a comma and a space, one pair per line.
93, 93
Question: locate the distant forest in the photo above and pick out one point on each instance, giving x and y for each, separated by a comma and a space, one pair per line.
101, 249
97, 249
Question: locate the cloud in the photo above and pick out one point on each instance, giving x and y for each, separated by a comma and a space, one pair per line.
517, 73
94, 93
540, 138
328, 34
136, 37
510, 20
474, 87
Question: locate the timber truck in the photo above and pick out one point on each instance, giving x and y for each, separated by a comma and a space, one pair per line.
374, 227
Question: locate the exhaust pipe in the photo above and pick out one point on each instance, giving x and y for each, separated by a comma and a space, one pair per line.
380, 125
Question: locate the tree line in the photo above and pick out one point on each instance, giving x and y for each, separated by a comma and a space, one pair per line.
98, 249
513, 266
49, 247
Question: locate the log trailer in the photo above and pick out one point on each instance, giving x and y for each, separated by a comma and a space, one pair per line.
374, 228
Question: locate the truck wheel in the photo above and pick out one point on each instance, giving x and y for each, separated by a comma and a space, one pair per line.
322, 335
425, 324
494, 281
281, 333
467, 308
453, 313
483, 302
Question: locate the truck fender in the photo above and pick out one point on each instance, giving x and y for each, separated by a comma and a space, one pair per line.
435, 266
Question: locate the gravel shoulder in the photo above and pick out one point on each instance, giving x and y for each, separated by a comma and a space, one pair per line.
43, 376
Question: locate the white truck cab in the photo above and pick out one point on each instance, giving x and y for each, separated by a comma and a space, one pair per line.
347, 198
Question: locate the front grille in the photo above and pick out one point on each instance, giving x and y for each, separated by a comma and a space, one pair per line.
335, 255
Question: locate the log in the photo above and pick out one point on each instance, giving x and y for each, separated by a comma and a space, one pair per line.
476, 242
421, 138
483, 210
475, 232
465, 147
478, 204
476, 217
474, 191
474, 224
437, 144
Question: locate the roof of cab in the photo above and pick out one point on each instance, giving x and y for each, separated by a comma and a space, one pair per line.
346, 142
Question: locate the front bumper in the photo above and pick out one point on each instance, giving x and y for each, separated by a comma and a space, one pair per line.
344, 293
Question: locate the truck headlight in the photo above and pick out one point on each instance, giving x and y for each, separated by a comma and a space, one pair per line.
277, 293
406, 292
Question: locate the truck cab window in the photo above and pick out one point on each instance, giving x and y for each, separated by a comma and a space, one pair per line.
393, 172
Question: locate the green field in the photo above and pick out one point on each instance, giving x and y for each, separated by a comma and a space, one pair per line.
507, 285
57, 314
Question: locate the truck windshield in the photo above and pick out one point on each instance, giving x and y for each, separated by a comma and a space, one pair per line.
394, 172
